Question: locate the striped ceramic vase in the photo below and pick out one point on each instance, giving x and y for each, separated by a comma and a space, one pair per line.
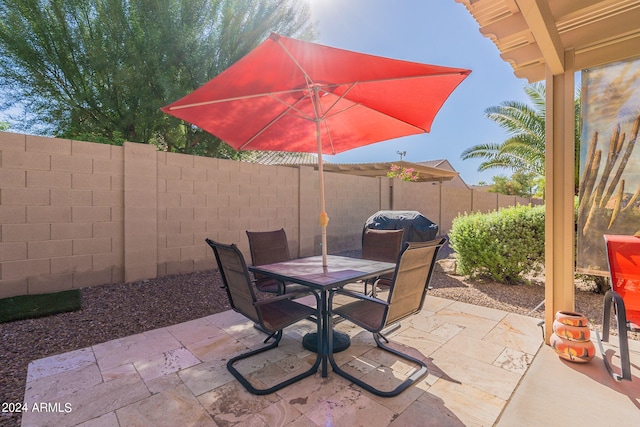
571, 337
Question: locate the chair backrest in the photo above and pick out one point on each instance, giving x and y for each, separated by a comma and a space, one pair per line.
623, 253
381, 245
236, 279
268, 247
411, 279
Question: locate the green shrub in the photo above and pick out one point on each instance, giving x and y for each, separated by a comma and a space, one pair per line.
503, 245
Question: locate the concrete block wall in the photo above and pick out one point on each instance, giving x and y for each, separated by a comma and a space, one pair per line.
424, 197
61, 214
505, 201
76, 214
201, 197
140, 211
483, 201
454, 201
350, 201
442, 204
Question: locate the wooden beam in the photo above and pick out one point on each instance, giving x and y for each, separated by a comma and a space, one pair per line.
543, 27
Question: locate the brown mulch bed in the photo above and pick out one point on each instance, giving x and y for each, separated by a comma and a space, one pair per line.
114, 311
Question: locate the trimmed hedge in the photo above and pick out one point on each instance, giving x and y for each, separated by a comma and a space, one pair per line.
503, 245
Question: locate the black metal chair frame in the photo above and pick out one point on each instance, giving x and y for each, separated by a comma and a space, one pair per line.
379, 338
612, 297
281, 303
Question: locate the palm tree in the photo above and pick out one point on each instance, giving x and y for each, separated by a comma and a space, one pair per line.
524, 150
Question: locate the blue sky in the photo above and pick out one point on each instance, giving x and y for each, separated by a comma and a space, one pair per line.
439, 32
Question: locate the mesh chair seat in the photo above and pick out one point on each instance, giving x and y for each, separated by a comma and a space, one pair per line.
277, 315
366, 314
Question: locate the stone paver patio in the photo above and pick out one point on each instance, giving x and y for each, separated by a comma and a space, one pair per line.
486, 367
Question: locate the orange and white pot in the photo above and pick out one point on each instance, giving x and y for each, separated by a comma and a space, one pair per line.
571, 337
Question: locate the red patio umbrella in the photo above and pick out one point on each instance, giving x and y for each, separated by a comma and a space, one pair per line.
297, 96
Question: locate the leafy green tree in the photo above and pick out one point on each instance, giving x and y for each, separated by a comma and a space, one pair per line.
4, 126
100, 69
524, 150
521, 184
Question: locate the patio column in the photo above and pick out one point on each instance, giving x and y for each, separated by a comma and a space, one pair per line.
559, 219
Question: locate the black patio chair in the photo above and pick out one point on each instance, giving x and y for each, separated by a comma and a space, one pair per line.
406, 297
268, 247
380, 245
272, 315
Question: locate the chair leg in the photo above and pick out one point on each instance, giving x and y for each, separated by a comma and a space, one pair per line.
606, 316
621, 320
261, 329
399, 389
253, 390
389, 329
366, 284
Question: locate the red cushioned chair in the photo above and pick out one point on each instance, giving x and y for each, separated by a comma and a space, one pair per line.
623, 253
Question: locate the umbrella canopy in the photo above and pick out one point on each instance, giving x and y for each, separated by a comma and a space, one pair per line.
292, 95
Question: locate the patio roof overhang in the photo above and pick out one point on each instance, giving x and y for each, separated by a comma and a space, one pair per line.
550, 40
533, 34
425, 173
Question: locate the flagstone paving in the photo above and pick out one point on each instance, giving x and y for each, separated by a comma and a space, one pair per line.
480, 363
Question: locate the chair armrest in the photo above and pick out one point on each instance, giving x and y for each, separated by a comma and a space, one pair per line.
360, 296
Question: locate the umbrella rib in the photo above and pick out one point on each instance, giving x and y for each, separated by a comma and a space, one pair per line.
238, 98
340, 98
235, 98
307, 78
293, 107
420, 76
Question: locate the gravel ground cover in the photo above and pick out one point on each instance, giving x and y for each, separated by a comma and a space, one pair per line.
118, 310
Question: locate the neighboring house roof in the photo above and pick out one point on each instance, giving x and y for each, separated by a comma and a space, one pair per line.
279, 158
435, 163
428, 171
445, 165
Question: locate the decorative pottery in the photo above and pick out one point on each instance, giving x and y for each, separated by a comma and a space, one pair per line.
573, 333
571, 318
571, 337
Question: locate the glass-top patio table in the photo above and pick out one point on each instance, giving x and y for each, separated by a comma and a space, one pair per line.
338, 272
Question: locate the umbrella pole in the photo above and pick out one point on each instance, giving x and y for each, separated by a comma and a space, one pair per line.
324, 219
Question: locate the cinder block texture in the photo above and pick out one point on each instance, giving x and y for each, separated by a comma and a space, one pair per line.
55, 196
75, 214
140, 212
